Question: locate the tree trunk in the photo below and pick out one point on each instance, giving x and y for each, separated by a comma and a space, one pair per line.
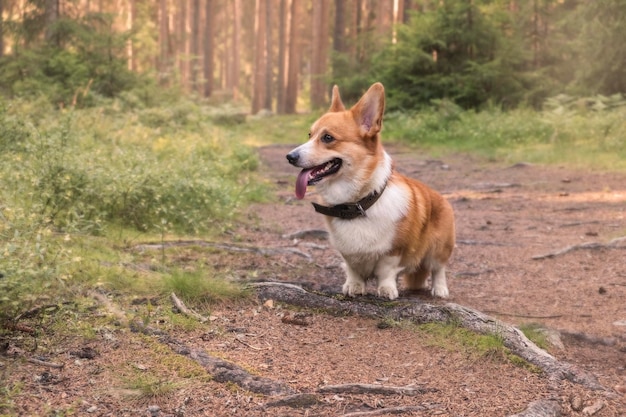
258, 95
282, 49
183, 45
291, 93
269, 71
130, 25
319, 53
195, 44
208, 48
1, 31
51, 16
339, 34
163, 41
234, 68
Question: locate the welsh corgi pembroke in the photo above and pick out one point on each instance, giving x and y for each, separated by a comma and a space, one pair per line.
383, 224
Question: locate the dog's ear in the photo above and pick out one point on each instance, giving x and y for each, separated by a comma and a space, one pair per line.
336, 104
368, 112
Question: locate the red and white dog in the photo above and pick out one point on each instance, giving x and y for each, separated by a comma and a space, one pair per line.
384, 224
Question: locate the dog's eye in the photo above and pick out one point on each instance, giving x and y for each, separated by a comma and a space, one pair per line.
326, 138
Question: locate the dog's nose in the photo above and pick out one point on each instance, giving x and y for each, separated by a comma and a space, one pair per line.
293, 157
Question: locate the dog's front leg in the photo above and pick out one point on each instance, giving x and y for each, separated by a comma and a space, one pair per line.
355, 284
387, 271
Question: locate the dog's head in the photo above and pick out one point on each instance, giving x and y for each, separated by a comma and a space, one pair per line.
343, 148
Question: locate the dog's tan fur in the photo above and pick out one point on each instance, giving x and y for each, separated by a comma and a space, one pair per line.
408, 232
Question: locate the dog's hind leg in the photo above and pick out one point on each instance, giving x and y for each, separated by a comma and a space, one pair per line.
439, 285
416, 280
386, 272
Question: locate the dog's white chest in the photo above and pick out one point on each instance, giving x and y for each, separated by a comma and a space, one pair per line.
374, 233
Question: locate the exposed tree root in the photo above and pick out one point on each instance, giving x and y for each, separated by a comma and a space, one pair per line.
373, 389
46, 363
221, 370
419, 312
224, 246
541, 408
386, 411
617, 243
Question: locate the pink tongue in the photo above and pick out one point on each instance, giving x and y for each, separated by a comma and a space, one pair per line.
301, 182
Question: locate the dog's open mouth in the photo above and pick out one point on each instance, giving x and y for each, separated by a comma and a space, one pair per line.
311, 176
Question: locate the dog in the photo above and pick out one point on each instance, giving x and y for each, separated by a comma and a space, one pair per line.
384, 224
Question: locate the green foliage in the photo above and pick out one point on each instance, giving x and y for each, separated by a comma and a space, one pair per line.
85, 169
600, 59
85, 60
458, 51
76, 174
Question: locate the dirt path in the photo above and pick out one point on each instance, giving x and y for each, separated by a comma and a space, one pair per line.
508, 219
511, 223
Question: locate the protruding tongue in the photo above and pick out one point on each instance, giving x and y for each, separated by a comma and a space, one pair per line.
301, 182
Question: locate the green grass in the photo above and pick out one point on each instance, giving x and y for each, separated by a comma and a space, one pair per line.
589, 140
202, 286
150, 387
533, 331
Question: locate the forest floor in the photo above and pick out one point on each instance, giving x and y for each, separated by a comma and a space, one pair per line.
512, 223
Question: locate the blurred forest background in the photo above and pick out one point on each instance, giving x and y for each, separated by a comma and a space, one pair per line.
284, 55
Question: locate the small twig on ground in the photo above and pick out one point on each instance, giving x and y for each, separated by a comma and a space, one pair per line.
247, 344
386, 411
373, 389
298, 321
36, 310
524, 316
110, 307
309, 233
481, 243
613, 244
46, 363
186, 310
20, 328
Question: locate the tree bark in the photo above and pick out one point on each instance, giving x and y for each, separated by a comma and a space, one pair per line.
319, 54
195, 43
163, 41
234, 70
1, 31
51, 16
258, 94
419, 312
282, 49
208, 47
269, 70
291, 94
182, 49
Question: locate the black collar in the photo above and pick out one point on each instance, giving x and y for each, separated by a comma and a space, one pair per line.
350, 211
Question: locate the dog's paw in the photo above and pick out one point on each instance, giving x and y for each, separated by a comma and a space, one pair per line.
389, 291
440, 291
354, 288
